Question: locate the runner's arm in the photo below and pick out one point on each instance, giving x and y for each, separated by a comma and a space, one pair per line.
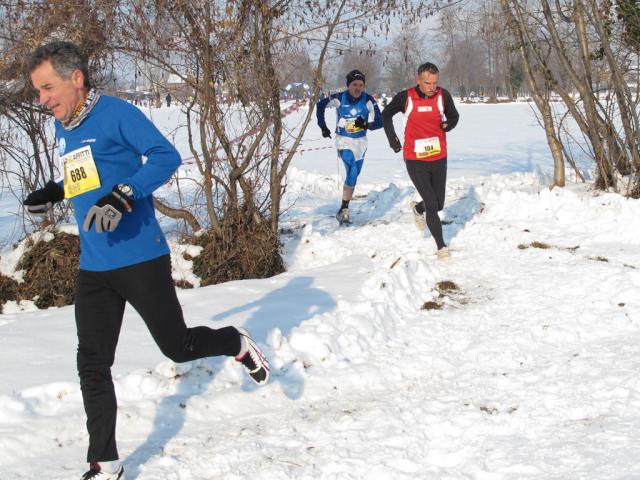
322, 105
141, 136
374, 119
396, 105
320, 108
450, 111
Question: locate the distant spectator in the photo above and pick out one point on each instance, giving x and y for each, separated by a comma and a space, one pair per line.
168, 99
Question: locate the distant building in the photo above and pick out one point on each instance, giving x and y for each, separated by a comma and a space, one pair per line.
178, 88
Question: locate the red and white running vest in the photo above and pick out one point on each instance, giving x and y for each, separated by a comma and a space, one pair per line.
424, 139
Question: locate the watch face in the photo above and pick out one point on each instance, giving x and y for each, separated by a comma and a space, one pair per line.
126, 189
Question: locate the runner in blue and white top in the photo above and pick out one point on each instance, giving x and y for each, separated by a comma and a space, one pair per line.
356, 112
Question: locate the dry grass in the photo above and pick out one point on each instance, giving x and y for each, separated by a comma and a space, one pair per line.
446, 289
247, 249
534, 244
50, 271
431, 306
447, 285
183, 284
542, 245
8, 290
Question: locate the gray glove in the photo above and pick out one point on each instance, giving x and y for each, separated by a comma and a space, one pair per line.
107, 212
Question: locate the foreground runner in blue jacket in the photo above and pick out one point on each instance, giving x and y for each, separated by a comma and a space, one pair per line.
124, 255
356, 112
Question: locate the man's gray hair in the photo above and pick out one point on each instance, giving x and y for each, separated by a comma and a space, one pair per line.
65, 57
427, 67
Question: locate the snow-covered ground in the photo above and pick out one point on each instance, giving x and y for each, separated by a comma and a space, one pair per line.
518, 358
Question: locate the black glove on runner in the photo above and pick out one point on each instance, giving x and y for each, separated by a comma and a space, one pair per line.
361, 123
107, 212
396, 145
326, 133
40, 201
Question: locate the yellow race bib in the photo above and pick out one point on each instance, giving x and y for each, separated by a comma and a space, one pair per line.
350, 126
80, 172
427, 147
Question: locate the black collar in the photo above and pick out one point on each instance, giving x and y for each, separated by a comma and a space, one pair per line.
421, 94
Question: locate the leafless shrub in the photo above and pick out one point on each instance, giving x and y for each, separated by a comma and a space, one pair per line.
26, 133
8, 290
50, 268
248, 249
581, 53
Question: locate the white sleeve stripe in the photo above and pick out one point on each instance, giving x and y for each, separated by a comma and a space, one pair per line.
407, 112
405, 117
441, 107
372, 112
333, 103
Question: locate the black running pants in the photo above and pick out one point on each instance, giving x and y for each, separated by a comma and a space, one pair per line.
99, 306
430, 179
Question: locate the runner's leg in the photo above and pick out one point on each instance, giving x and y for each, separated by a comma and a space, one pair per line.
149, 288
99, 312
422, 175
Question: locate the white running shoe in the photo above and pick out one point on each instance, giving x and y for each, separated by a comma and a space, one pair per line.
96, 472
443, 254
418, 218
252, 358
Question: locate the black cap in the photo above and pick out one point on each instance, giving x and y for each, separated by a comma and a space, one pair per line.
354, 75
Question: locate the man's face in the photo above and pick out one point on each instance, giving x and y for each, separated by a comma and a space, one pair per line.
428, 83
60, 95
356, 88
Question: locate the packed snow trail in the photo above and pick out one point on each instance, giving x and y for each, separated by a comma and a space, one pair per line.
523, 364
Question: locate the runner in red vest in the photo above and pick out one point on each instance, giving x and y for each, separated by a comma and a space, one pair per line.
429, 113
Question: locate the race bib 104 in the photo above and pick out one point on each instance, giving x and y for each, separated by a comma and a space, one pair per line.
427, 147
80, 172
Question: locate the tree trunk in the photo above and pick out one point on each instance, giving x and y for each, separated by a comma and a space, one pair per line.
541, 101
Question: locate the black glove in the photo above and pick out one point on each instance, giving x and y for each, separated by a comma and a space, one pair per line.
396, 145
361, 123
107, 212
40, 201
326, 133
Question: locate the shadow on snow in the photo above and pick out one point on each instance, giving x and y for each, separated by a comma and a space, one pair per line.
284, 308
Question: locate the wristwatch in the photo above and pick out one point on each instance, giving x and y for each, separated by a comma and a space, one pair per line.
125, 189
